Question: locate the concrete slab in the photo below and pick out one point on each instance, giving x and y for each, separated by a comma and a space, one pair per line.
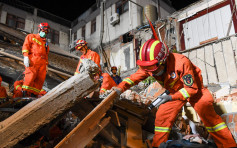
201, 64
220, 63
230, 61
210, 65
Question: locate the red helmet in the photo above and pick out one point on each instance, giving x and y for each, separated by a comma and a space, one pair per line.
44, 26
152, 54
80, 44
113, 68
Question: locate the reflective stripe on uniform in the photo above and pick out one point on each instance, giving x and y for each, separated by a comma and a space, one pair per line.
38, 42
162, 129
103, 89
217, 127
23, 51
129, 81
152, 49
184, 92
18, 86
76, 73
140, 53
30, 88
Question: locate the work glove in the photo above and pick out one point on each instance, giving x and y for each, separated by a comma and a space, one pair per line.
165, 99
117, 90
26, 61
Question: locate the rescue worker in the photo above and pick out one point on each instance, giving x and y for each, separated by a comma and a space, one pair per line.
3, 92
35, 51
17, 92
106, 83
114, 75
184, 82
87, 53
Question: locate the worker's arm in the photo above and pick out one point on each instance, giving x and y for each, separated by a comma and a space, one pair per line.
134, 79
190, 87
27, 45
96, 58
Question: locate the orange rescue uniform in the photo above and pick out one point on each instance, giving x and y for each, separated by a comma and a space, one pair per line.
18, 89
184, 81
36, 48
3, 92
89, 55
107, 83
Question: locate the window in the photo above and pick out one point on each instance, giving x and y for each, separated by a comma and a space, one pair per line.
83, 32
211, 26
15, 22
75, 35
121, 6
93, 26
53, 36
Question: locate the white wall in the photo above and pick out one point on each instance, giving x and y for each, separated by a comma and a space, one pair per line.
213, 24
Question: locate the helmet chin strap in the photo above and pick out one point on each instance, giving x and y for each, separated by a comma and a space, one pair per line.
160, 72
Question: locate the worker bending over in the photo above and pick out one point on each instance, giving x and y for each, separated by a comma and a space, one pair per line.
106, 83
183, 80
35, 50
81, 45
3, 92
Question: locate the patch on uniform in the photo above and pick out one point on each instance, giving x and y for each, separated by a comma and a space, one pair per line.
173, 75
188, 80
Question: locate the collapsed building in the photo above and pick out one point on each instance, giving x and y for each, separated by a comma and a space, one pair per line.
127, 122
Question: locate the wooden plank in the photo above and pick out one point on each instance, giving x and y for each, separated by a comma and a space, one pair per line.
41, 111
210, 65
21, 59
220, 63
201, 64
230, 61
77, 138
134, 134
209, 40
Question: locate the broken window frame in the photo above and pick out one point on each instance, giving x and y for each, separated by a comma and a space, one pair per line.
54, 36
122, 6
19, 23
83, 32
93, 26
204, 12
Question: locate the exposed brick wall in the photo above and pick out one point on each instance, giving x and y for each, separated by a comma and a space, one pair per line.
231, 121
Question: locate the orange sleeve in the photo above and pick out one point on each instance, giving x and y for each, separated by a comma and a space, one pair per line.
107, 83
27, 45
3, 92
134, 79
190, 87
96, 58
18, 85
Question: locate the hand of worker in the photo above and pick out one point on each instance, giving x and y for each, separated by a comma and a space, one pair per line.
117, 90
26, 61
47, 68
165, 99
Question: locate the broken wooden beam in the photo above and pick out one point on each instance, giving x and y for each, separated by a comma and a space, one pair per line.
41, 111
21, 59
88, 126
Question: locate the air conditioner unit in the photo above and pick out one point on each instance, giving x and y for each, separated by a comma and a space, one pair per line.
114, 19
